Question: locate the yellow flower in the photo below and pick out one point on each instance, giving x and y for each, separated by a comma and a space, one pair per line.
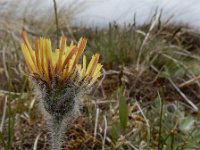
62, 64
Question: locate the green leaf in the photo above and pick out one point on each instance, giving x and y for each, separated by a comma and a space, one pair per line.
123, 109
186, 124
115, 132
196, 136
191, 145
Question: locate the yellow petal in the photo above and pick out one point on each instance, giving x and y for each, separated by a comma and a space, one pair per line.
61, 54
49, 58
69, 48
95, 78
27, 57
97, 70
27, 44
81, 47
90, 64
69, 69
63, 62
38, 57
55, 56
84, 62
43, 58
79, 71
93, 68
71, 62
69, 56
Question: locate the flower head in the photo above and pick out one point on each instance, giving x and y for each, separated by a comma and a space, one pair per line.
60, 65
60, 79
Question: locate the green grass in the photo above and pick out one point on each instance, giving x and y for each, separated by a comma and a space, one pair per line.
162, 49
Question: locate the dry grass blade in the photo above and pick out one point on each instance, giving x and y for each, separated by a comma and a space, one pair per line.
32, 103
4, 64
100, 83
154, 22
3, 114
195, 108
103, 102
131, 145
96, 122
189, 82
105, 133
36, 142
4, 92
147, 123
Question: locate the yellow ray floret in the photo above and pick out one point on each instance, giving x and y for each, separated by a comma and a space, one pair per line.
61, 64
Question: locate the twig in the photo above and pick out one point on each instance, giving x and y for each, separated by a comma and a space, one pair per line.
105, 132
189, 82
183, 95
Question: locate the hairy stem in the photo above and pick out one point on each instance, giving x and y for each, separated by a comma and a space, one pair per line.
57, 130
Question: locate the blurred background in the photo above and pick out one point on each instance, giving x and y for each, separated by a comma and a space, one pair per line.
149, 94
95, 13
